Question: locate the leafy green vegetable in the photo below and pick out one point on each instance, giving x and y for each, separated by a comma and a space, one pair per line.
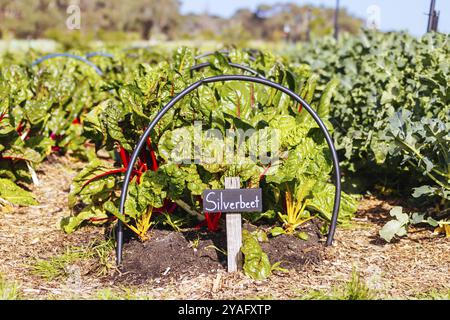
256, 262
276, 231
41, 112
187, 150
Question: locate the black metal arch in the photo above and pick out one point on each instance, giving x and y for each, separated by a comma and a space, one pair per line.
224, 78
224, 52
99, 54
68, 55
231, 64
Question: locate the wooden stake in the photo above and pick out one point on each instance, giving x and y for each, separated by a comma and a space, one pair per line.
234, 231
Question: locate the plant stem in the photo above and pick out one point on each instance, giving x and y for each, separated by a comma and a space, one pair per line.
183, 205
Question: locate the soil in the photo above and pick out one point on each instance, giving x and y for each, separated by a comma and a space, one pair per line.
172, 255
169, 254
295, 253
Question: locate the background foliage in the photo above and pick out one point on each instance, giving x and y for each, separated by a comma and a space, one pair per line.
114, 20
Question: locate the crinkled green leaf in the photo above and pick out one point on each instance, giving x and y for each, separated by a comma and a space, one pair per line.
96, 189
72, 223
322, 201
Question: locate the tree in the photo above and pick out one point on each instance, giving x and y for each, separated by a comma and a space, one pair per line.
150, 18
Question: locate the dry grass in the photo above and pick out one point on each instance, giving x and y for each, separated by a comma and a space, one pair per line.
409, 268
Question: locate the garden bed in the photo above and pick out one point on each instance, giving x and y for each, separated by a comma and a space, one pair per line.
409, 268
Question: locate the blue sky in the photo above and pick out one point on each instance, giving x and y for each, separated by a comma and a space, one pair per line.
407, 15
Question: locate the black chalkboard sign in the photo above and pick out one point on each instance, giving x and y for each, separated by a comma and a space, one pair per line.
232, 200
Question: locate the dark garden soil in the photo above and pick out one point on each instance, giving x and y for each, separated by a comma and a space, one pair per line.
170, 255
294, 253
405, 268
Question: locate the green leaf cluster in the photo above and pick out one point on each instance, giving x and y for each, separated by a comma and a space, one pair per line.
230, 107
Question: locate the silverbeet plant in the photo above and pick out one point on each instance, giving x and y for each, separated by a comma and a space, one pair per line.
256, 262
40, 113
167, 186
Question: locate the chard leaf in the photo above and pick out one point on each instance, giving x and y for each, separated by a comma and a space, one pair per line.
70, 224
256, 262
276, 231
261, 236
322, 201
325, 101
92, 183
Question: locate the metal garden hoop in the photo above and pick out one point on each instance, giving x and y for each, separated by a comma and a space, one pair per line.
68, 55
224, 52
242, 67
231, 64
225, 78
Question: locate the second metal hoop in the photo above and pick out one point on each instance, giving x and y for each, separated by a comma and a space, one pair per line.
68, 55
